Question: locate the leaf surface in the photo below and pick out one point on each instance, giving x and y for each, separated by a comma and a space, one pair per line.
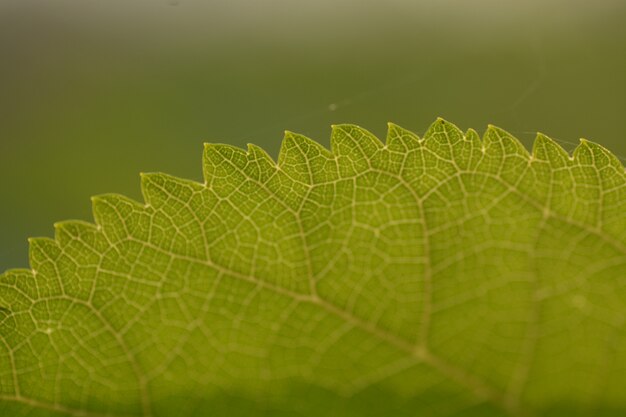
443, 276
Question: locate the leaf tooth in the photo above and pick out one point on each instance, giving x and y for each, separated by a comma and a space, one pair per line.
470, 151
10, 278
499, 142
401, 139
442, 132
260, 165
353, 141
296, 146
600, 179
584, 152
107, 204
546, 149
255, 152
153, 188
591, 153
167, 193
16, 291
221, 161
472, 135
218, 159
43, 253
70, 230
116, 215
354, 148
10, 274
303, 159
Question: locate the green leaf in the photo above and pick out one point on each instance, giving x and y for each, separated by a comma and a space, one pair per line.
443, 276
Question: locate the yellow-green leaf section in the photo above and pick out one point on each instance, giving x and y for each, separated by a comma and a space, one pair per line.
447, 275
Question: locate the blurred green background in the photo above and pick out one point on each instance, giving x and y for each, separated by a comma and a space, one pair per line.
94, 92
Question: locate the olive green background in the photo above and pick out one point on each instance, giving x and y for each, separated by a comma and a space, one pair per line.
94, 92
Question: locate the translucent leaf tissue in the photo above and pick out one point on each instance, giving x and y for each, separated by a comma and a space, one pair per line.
449, 275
